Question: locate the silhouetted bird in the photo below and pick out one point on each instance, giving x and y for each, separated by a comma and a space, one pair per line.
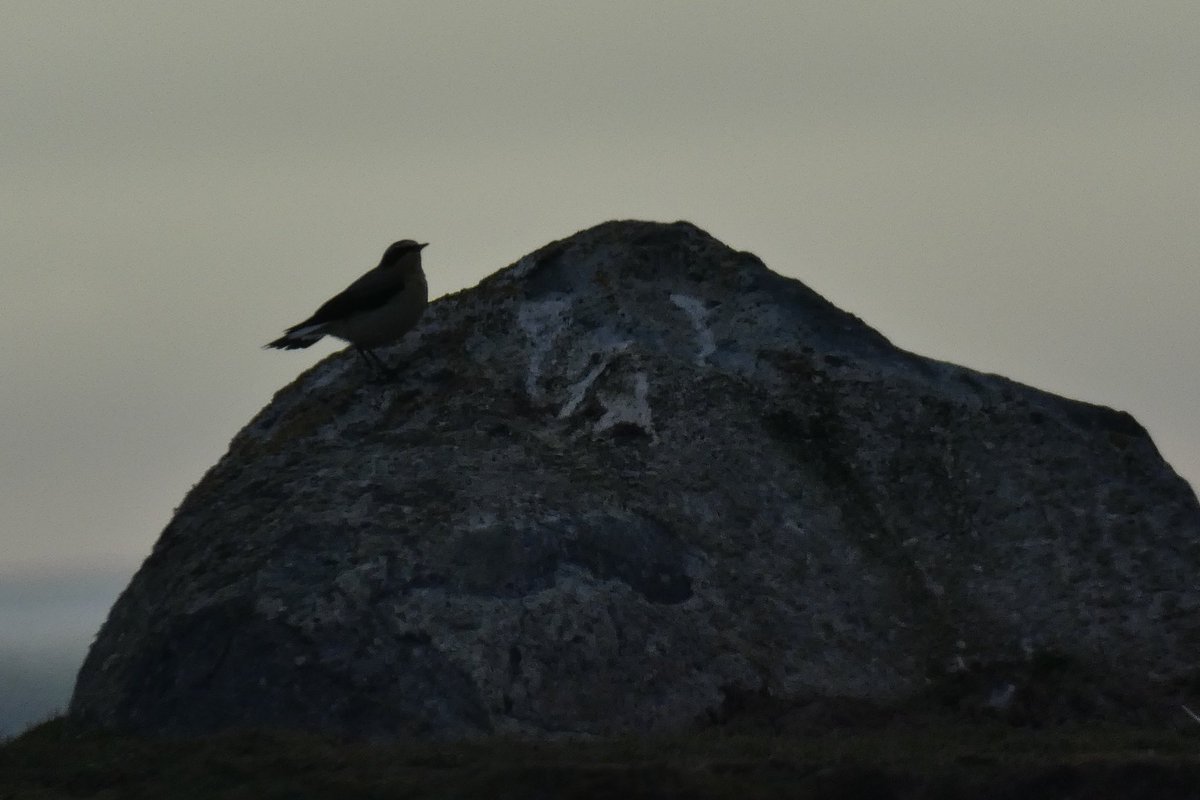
377, 309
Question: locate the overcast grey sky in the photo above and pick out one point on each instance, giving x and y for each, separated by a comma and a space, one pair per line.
1011, 186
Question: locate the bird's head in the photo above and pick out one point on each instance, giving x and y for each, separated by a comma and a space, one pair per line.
403, 251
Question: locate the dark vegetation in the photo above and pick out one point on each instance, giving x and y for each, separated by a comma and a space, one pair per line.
927, 760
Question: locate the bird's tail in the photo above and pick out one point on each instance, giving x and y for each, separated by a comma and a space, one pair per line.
297, 338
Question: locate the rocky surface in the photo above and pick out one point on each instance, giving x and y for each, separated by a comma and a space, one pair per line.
629, 482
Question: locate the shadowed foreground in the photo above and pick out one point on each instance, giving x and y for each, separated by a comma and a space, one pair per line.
57, 759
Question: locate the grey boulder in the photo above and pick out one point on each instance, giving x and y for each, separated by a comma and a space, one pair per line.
637, 482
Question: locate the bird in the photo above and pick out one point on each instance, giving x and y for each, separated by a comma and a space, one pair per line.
377, 309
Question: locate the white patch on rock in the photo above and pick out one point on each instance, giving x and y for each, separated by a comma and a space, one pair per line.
357, 583
543, 321
269, 607
698, 314
482, 521
327, 375
1002, 696
580, 388
522, 267
629, 410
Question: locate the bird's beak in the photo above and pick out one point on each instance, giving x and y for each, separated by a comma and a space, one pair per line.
422, 246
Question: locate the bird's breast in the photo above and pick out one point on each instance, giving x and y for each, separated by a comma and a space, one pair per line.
385, 324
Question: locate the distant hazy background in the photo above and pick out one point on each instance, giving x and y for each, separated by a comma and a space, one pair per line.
1012, 186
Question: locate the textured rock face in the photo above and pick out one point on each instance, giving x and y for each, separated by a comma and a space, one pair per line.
628, 478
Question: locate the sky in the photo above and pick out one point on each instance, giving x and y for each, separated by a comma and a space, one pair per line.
1013, 186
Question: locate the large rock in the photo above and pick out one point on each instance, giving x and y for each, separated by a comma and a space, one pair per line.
625, 484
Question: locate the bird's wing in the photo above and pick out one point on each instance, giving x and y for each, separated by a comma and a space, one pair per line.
371, 291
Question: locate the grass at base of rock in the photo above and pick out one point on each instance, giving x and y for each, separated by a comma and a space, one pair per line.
58, 760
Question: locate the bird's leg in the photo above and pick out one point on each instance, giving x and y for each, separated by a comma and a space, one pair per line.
362, 353
368, 358
384, 369
374, 362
